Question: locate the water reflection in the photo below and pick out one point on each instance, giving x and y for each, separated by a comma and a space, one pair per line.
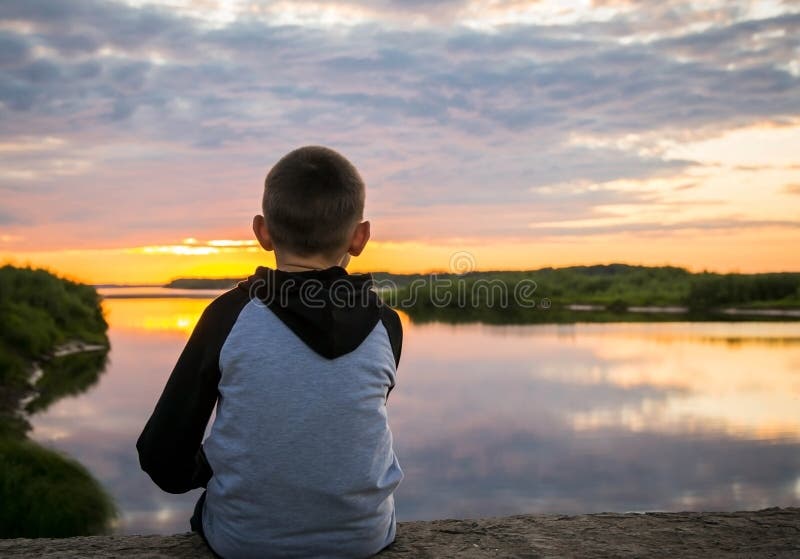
67, 375
172, 316
47, 494
101, 428
589, 417
508, 419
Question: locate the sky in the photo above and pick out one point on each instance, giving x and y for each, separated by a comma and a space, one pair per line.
135, 136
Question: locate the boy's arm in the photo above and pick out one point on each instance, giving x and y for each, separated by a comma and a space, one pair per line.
170, 448
391, 321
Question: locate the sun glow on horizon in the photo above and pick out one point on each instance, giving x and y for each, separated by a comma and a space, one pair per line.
233, 258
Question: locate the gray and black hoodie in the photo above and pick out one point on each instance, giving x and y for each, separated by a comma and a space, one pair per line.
299, 460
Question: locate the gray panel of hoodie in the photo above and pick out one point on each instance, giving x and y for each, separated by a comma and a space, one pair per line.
307, 433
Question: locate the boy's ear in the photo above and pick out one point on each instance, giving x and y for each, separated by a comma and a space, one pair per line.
359, 239
262, 233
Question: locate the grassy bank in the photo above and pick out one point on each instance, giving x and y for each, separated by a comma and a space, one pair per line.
44, 493
614, 286
38, 312
615, 292
548, 294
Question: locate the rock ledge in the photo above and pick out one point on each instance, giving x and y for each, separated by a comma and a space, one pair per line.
766, 533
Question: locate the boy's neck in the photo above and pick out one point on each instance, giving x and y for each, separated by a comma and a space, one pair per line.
294, 263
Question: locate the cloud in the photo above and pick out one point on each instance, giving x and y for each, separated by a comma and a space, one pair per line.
721, 224
8, 218
526, 78
435, 112
13, 49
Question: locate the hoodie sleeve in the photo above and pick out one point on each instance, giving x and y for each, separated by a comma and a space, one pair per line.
391, 321
170, 448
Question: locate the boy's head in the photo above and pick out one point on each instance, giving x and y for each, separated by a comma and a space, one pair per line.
313, 206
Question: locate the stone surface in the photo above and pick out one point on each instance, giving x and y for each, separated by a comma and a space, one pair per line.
766, 533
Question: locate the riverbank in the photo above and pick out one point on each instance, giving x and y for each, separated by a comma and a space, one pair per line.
766, 533
609, 287
53, 344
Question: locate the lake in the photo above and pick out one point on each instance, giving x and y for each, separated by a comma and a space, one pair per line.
497, 420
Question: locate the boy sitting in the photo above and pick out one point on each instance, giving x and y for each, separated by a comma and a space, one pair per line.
299, 362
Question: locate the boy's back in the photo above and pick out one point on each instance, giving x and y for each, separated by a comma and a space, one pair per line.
299, 460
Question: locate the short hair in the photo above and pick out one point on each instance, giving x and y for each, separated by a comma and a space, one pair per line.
312, 199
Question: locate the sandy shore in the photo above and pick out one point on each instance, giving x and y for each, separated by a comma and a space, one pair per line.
766, 533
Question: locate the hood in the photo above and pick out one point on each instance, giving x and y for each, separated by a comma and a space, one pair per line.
330, 310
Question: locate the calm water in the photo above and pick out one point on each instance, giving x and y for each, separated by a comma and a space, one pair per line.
494, 420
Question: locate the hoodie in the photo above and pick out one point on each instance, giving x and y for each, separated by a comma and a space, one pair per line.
299, 460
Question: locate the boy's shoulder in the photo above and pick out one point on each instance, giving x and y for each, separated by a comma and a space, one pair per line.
324, 328
230, 302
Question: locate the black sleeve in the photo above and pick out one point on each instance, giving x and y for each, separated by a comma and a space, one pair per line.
391, 321
170, 448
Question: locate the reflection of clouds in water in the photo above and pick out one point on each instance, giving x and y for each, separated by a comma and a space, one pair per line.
51, 433
551, 418
100, 428
111, 456
500, 420
499, 473
614, 374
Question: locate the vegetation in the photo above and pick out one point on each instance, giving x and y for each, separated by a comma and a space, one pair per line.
40, 311
613, 288
45, 494
203, 283
547, 295
744, 290
42, 492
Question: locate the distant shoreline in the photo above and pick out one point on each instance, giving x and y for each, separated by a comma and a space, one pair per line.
601, 293
579, 309
160, 295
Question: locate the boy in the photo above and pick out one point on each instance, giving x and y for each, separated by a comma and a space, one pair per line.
299, 361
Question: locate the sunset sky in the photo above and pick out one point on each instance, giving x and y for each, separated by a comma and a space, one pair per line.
135, 136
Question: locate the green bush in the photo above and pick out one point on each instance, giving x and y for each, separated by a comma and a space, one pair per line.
29, 330
39, 311
42, 493
717, 290
38, 308
45, 494
616, 287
